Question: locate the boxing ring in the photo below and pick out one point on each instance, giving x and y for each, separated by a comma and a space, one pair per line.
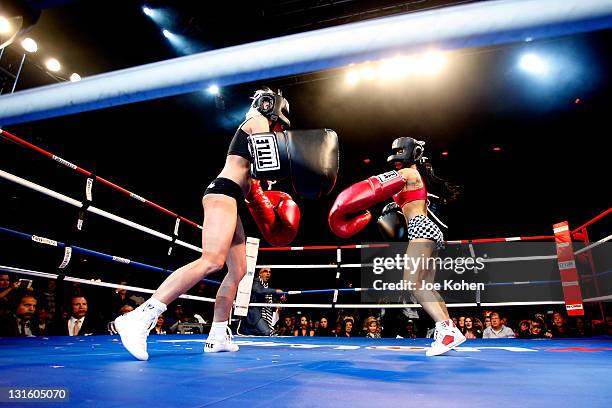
305, 371
298, 371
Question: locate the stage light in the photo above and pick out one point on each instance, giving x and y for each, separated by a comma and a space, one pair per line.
367, 73
435, 61
29, 45
213, 90
5, 25
147, 11
18, 16
75, 77
53, 65
352, 76
533, 64
393, 68
430, 63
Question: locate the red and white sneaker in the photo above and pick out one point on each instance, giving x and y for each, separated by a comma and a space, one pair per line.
446, 337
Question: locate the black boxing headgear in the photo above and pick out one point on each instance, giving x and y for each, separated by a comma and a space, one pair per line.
272, 105
407, 151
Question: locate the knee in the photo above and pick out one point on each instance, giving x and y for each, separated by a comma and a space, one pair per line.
211, 263
236, 275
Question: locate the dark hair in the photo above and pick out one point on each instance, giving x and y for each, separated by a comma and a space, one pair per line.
448, 192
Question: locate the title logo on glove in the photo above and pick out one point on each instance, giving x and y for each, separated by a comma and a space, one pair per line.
265, 152
390, 175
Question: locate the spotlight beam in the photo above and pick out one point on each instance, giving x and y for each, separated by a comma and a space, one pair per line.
468, 25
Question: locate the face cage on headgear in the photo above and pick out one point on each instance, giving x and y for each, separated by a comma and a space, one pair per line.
273, 106
412, 151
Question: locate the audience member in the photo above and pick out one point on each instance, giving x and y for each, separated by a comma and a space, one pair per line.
80, 323
487, 321
11, 293
346, 329
537, 329
285, 327
160, 327
497, 329
560, 327
21, 322
371, 327
49, 297
5, 290
408, 330
324, 330
44, 321
461, 323
472, 331
581, 329
126, 308
181, 315
523, 330
304, 327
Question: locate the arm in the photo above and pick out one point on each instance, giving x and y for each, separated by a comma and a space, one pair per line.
8, 290
257, 124
350, 214
412, 177
258, 289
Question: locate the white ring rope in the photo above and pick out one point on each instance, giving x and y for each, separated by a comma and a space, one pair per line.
598, 299
75, 203
461, 26
520, 258
593, 245
47, 275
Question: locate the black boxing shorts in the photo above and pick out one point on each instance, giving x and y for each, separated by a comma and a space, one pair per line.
230, 188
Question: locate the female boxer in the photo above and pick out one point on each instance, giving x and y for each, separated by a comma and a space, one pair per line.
223, 239
424, 238
349, 215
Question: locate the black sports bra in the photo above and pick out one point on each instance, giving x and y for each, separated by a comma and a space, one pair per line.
239, 145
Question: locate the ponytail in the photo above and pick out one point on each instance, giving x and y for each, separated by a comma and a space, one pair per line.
446, 191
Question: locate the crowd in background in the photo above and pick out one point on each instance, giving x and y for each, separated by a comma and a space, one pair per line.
43, 308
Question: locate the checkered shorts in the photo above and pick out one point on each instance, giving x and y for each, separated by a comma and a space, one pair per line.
422, 227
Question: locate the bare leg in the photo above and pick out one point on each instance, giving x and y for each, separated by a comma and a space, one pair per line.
236, 269
220, 218
430, 300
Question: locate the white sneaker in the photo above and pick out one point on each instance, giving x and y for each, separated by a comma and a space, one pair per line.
446, 337
219, 344
134, 328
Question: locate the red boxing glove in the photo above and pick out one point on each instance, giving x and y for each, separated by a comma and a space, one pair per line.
350, 214
275, 213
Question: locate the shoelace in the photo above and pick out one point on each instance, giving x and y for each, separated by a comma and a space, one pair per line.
437, 336
150, 326
230, 336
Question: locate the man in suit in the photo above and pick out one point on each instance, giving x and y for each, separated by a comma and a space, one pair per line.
259, 320
21, 322
79, 323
